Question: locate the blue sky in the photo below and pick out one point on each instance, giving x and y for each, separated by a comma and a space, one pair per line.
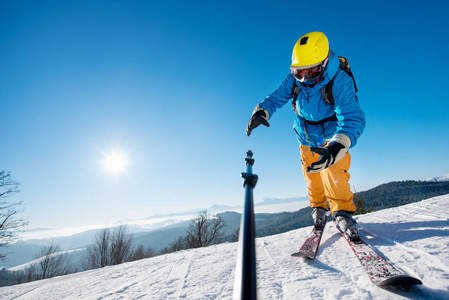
172, 84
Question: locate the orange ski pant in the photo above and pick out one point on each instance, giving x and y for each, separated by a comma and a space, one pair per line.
331, 184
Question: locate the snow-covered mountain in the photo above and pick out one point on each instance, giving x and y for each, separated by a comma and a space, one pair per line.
414, 237
439, 178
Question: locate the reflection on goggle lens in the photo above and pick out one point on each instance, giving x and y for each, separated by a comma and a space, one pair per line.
308, 73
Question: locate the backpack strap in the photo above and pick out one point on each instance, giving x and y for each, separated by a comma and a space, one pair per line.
328, 119
295, 92
344, 65
326, 91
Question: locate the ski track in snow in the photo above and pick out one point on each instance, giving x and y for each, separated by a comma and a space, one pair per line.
415, 238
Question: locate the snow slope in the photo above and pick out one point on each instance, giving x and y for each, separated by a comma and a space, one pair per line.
414, 237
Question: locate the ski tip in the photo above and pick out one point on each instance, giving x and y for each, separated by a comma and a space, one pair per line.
400, 280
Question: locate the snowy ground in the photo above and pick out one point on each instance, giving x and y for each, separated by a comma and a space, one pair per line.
414, 237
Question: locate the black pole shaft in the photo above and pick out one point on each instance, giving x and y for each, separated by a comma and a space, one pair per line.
245, 273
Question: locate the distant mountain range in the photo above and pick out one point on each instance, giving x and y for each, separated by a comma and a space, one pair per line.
156, 222
272, 201
440, 178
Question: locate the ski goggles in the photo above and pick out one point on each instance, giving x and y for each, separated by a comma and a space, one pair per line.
309, 73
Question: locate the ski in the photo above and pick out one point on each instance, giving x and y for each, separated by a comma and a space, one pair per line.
379, 271
310, 247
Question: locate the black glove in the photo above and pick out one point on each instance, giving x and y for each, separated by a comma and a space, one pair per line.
260, 116
330, 154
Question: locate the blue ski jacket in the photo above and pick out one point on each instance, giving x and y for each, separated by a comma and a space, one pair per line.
310, 106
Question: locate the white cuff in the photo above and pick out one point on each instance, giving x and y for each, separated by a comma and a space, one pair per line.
342, 139
265, 111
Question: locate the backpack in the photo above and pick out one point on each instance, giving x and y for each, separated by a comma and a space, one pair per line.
326, 91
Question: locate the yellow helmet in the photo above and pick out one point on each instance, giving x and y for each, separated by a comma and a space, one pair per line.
310, 50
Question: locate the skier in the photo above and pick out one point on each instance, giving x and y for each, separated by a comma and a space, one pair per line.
325, 129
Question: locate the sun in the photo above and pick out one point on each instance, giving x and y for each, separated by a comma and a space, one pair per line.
115, 162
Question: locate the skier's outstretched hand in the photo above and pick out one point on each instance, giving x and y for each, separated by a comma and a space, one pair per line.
260, 116
330, 154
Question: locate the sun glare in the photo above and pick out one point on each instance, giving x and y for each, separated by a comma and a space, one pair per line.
115, 163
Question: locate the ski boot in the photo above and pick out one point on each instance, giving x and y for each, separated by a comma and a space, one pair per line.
319, 217
348, 226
